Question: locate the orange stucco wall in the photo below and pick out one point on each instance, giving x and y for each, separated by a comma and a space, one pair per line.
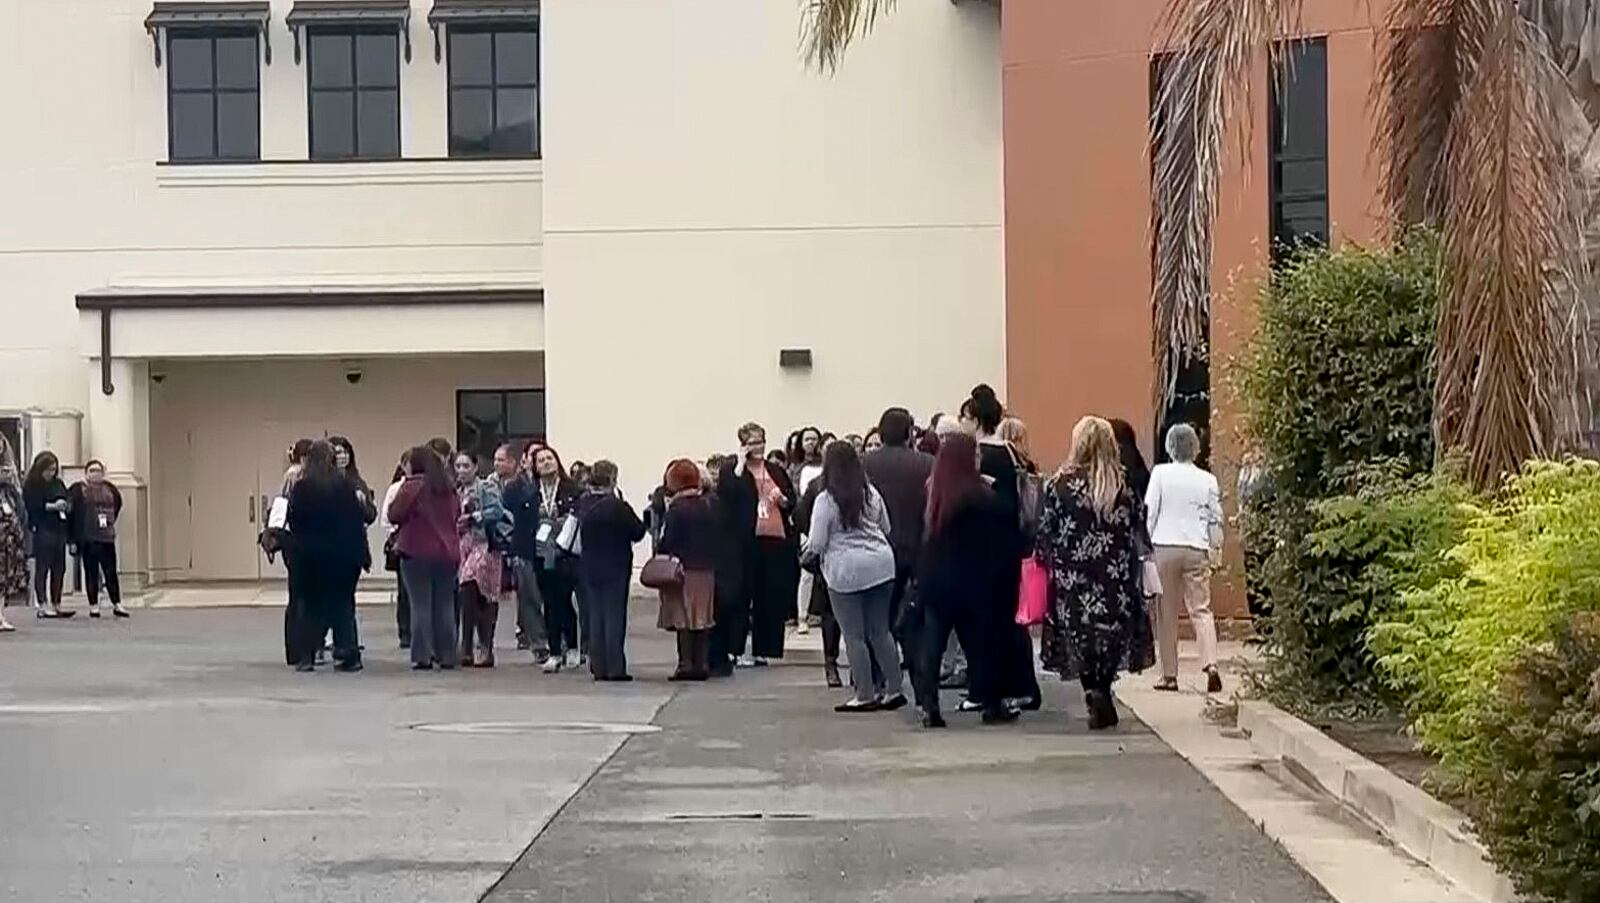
1077, 193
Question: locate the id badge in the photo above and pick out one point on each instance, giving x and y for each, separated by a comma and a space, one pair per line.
6, 507
105, 521
763, 510
544, 531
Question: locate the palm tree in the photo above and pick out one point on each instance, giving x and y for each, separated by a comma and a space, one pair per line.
1488, 110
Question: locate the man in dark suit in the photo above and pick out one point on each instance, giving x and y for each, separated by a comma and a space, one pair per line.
901, 474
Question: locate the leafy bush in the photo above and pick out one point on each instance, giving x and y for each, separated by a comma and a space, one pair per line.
1527, 562
1357, 554
1338, 375
1537, 808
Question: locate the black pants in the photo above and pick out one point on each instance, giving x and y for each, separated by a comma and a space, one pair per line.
479, 616
730, 597
560, 620
933, 628
100, 561
607, 612
772, 578
325, 591
50, 567
402, 609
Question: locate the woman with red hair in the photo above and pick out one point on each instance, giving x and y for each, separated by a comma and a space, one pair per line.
966, 554
689, 533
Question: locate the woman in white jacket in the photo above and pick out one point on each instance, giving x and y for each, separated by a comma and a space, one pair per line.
1184, 512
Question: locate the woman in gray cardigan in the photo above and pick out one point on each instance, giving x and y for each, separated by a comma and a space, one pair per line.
850, 536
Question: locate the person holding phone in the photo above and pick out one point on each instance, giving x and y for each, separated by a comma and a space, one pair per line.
758, 500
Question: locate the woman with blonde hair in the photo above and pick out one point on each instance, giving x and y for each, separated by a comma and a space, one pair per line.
1014, 433
1088, 539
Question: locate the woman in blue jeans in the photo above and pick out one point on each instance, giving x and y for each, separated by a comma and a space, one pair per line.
850, 535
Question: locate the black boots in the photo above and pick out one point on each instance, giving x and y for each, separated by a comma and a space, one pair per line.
1102, 710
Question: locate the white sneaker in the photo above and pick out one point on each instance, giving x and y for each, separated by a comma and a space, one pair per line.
802, 628
745, 661
552, 665
574, 658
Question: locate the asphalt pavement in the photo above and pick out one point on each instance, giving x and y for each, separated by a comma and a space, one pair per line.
173, 758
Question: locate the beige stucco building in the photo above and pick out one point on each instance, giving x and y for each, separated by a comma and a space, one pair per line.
402, 222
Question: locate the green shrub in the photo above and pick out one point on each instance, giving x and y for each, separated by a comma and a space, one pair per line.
1357, 554
1537, 807
1527, 562
1338, 375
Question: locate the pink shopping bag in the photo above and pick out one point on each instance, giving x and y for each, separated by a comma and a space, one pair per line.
1035, 593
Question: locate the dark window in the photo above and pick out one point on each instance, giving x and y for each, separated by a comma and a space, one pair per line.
354, 83
1191, 396
494, 92
486, 418
213, 96
1299, 145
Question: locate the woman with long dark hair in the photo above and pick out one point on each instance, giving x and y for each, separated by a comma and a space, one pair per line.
329, 526
344, 458
96, 504
485, 535
424, 512
1088, 538
49, 510
555, 569
965, 556
1134, 469
850, 536
981, 415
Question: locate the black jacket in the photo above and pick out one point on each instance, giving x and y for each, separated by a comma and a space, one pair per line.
609, 528
691, 533
79, 514
328, 523
901, 475
521, 500
737, 492
965, 567
35, 496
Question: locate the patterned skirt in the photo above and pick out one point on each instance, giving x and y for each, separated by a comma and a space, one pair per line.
13, 558
482, 566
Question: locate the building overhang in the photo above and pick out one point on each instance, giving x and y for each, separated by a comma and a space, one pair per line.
181, 15
344, 321
449, 13
390, 15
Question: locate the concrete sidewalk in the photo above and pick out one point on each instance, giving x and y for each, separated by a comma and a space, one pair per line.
1351, 860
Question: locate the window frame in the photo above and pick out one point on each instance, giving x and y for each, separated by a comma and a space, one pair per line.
354, 91
212, 34
505, 418
1282, 79
494, 87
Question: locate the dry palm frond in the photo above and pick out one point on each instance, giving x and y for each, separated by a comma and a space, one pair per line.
1205, 91
829, 26
1427, 52
1505, 344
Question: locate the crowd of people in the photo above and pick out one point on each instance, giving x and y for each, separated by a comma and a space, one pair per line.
891, 542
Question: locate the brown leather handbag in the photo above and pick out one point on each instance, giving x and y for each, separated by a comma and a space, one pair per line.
662, 572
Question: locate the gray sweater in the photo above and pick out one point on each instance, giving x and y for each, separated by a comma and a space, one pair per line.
852, 560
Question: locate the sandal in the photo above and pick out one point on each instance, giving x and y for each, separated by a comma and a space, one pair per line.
1167, 685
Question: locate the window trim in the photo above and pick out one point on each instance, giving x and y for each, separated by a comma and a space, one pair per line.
212, 35
354, 91
494, 29
1278, 83
505, 415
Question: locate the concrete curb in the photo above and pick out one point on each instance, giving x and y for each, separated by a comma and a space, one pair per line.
1427, 829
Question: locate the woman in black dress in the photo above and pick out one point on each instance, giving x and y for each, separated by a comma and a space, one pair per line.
1012, 666
328, 521
1089, 539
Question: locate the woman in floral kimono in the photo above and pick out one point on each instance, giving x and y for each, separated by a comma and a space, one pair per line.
13, 535
1089, 540
485, 530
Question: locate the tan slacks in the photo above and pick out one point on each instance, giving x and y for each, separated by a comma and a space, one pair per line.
1186, 582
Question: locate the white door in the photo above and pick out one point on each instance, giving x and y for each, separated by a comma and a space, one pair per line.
224, 515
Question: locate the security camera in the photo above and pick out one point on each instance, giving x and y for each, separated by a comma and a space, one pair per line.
352, 375
158, 377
